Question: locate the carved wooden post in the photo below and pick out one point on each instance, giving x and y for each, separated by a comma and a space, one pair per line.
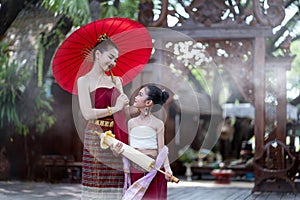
282, 103
259, 97
259, 94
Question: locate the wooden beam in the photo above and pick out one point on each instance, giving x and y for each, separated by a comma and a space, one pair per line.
214, 32
279, 62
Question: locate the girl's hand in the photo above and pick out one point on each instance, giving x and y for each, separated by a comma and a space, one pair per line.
168, 171
168, 175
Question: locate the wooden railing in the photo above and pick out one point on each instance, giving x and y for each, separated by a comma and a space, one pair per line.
66, 163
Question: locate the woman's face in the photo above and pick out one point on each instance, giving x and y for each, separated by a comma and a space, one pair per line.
140, 99
108, 59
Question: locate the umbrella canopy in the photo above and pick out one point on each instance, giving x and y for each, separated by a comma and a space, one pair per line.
73, 58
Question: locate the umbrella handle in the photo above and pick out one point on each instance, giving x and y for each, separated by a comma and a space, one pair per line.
172, 178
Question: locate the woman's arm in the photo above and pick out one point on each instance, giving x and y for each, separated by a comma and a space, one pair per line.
119, 84
85, 103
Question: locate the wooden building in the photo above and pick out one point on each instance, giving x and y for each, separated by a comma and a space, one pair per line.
237, 44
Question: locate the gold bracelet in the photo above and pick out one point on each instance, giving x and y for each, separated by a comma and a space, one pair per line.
109, 111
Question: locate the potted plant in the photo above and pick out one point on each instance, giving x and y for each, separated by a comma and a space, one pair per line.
187, 155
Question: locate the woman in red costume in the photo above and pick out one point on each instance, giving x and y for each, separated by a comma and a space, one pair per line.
102, 103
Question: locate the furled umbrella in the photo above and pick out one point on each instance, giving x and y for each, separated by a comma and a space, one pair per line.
73, 58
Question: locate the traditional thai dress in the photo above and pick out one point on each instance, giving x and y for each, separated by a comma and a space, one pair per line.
144, 137
102, 172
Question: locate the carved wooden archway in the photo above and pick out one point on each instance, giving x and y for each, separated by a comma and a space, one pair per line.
206, 23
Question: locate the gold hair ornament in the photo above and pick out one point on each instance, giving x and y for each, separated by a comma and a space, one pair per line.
102, 38
87, 51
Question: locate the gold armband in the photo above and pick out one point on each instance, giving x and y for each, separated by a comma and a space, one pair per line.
109, 111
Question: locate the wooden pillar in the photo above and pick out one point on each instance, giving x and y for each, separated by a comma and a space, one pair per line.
282, 103
259, 94
259, 101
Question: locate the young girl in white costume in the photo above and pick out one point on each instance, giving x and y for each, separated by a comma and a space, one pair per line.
146, 134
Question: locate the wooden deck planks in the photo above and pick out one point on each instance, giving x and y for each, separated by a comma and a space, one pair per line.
195, 193
184, 191
209, 191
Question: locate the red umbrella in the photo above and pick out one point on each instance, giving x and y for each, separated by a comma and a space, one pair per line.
73, 58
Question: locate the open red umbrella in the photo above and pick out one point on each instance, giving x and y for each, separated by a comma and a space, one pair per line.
73, 58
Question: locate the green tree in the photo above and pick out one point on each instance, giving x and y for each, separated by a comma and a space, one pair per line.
78, 11
293, 76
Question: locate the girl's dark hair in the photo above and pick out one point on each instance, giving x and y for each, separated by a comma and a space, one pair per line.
104, 45
158, 96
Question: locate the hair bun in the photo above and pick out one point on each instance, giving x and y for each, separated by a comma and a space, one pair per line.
164, 96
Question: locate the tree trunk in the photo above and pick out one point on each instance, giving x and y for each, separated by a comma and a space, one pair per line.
50, 42
8, 12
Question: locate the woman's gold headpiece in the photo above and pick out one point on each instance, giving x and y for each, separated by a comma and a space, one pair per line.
102, 38
87, 51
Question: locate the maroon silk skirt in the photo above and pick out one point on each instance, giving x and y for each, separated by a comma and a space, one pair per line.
158, 187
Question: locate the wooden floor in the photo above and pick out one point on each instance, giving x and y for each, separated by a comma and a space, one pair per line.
195, 190
208, 190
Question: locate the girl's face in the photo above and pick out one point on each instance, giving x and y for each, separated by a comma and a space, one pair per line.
108, 59
140, 99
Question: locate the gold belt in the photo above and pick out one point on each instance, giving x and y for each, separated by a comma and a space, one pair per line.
103, 123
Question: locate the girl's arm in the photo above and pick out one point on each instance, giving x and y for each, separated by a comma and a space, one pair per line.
130, 110
161, 143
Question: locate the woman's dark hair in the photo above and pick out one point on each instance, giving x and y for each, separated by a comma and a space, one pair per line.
104, 45
157, 95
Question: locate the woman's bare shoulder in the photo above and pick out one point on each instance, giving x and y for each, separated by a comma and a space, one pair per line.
82, 83
82, 79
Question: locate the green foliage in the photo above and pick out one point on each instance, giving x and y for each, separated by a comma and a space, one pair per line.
129, 9
294, 74
187, 154
126, 8
40, 60
200, 75
13, 81
77, 10
44, 119
108, 10
12, 84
